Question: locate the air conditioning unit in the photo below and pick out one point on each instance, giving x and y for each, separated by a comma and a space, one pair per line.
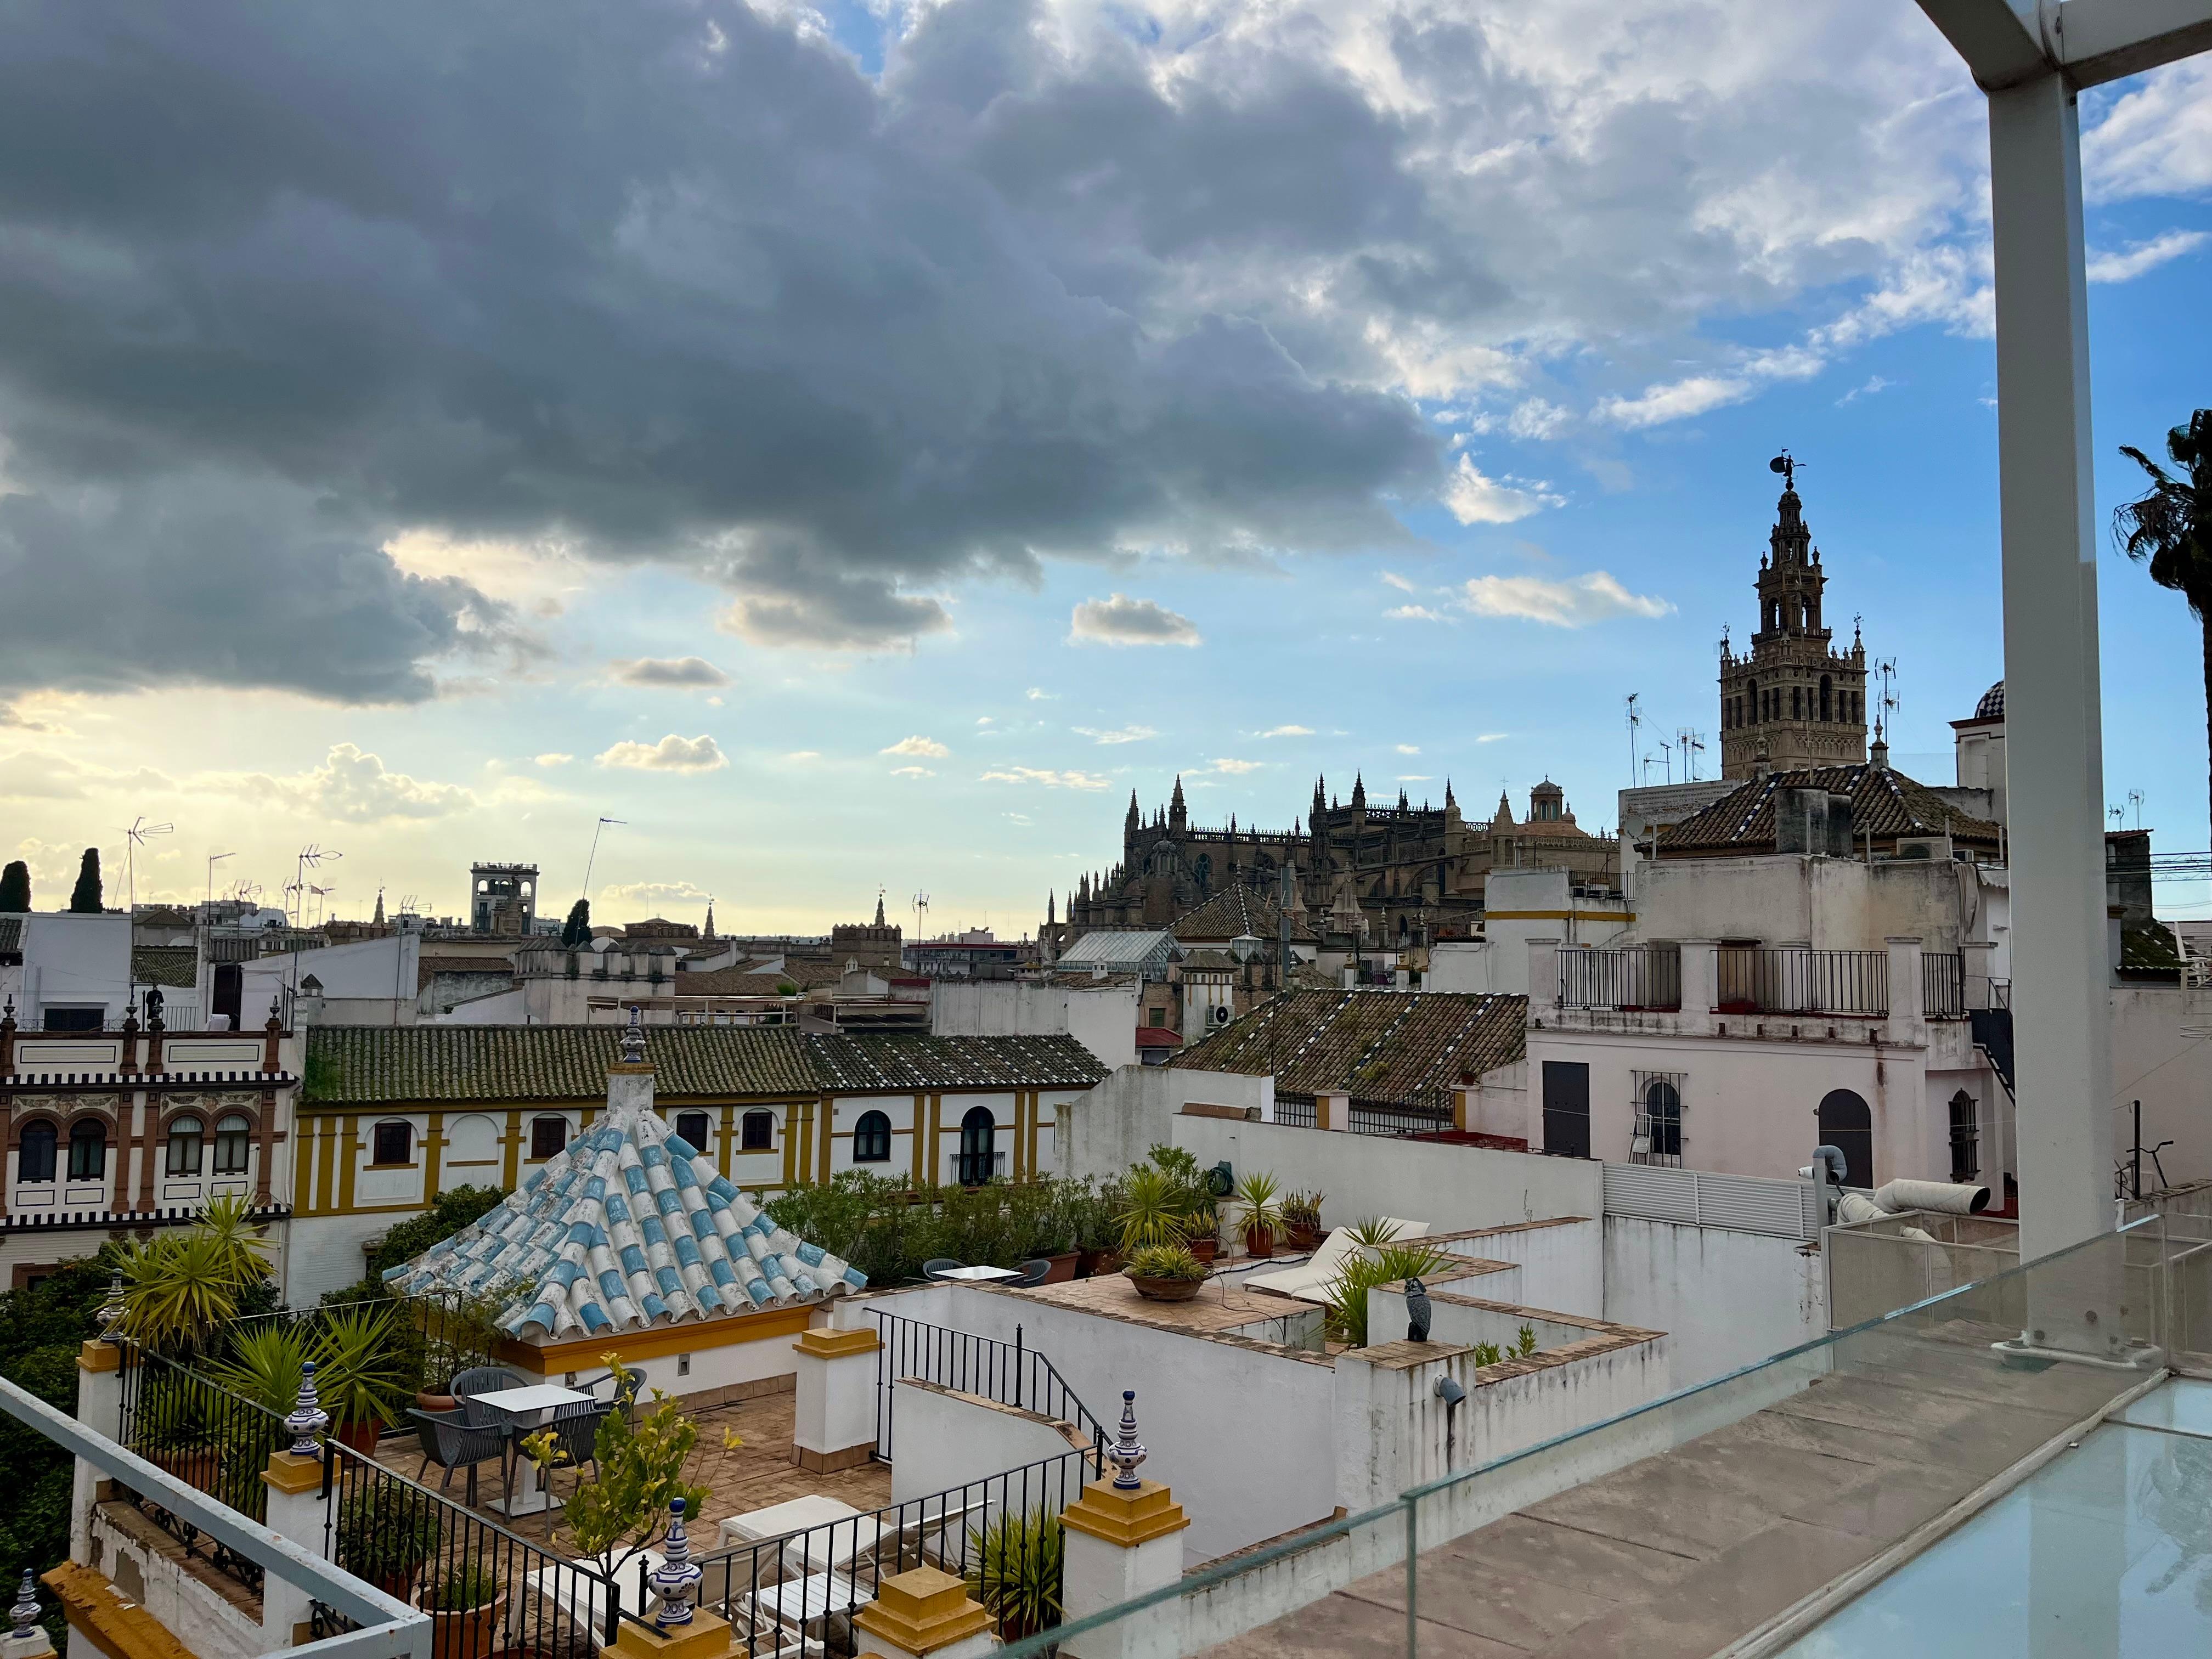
1221, 1014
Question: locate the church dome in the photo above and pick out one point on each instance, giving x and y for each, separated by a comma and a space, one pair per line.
1991, 707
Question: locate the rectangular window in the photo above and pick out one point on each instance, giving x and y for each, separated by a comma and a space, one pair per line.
74, 1019
184, 1147
758, 1133
1566, 1107
393, 1142
1157, 1016
1966, 1138
548, 1136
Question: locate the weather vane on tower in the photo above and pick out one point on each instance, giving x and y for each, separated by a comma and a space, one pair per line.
1787, 466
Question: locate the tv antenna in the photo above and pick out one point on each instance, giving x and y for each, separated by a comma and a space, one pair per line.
213, 859
312, 856
2135, 800
596, 831
1888, 705
135, 836
1635, 719
921, 910
1691, 743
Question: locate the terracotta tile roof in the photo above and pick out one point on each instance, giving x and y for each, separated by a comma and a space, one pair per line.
177, 965
629, 1226
1885, 804
1158, 1036
1082, 979
1381, 1047
1235, 910
11, 934
377, 1065
732, 982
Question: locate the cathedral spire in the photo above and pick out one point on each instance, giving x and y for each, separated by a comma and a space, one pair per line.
1178, 814
1359, 793
379, 907
879, 907
1049, 897
709, 934
1450, 804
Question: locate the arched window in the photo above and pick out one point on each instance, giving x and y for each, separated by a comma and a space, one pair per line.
234, 1144
1662, 1118
184, 1147
548, 1136
34, 1158
1848, 1126
88, 1151
696, 1128
871, 1138
1751, 695
1966, 1138
1825, 710
979, 1133
393, 1142
757, 1133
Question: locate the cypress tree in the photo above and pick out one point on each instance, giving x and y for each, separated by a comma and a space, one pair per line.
576, 932
15, 887
84, 898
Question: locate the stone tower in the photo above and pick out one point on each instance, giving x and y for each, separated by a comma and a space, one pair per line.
1792, 700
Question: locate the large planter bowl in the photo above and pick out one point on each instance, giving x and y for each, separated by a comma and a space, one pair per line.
426, 1401
1165, 1290
466, 1635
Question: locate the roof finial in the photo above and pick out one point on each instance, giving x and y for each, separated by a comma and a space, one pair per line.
633, 1037
1125, 1453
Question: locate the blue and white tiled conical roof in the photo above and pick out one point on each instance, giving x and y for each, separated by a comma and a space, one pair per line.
629, 1227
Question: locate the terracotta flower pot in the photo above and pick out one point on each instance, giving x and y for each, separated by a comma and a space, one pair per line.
425, 1400
1260, 1241
1303, 1237
1166, 1290
1097, 1264
360, 1436
1206, 1249
1063, 1267
468, 1634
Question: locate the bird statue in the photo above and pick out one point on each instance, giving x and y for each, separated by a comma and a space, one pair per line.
1416, 1311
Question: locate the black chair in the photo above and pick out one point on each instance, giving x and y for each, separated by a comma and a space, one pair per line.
1033, 1272
938, 1265
576, 1432
452, 1442
483, 1379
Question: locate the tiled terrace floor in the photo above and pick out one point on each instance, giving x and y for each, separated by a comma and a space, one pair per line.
737, 1479
1678, 1555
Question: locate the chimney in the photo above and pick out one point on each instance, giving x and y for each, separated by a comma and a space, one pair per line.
1841, 832
1800, 821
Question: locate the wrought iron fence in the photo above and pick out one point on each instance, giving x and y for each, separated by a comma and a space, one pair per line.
795, 1596
206, 1435
1297, 1111
1943, 984
488, 1589
1366, 1120
1631, 977
1769, 980
1010, 1373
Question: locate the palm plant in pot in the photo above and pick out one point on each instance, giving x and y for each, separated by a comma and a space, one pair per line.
1260, 1203
1165, 1273
1153, 1211
358, 1377
385, 1534
1014, 1566
464, 1606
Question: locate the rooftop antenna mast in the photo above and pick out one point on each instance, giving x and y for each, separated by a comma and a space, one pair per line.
2134, 799
135, 838
1635, 719
598, 830
1887, 704
1691, 743
213, 859
312, 856
920, 908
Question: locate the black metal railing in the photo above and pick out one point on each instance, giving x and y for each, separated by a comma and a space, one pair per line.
1007, 1373
795, 1596
1769, 980
210, 1438
487, 1589
1943, 984
1297, 1111
1631, 977
1370, 1119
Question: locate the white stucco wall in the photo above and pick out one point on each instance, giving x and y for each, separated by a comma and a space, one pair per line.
74, 961
1728, 1300
1102, 1133
201, 1621
2163, 1057
1103, 1020
1561, 1263
1449, 1186
944, 1439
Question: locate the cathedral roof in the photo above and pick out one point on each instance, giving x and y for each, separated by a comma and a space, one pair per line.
1234, 911
1381, 1047
1885, 804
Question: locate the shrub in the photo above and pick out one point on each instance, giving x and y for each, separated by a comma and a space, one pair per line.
1360, 1272
1014, 1565
1163, 1261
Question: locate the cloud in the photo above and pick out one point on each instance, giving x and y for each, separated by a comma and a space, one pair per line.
2155, 139
1288, 731
983, 720
356, 788
1237, 768
1413, 613
1120, 734
551, 757
804, 754
1875, 385
654, 893
1038, 694
1537, 419
672, 754
1574, 603
928, 747
1476, 498
1398, 582
2135, 261
1124, 621
1414, 777
912, 772
1409, 749
680, 672
1678, 401
1493, 737
1051, 779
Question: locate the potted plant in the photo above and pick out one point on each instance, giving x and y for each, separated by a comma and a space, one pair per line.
1262, 1212
1165, 1273
1014, 1571
465, 1608
1302, 1219
1098, 1232
386, 1536
1154, 1211
357, 1375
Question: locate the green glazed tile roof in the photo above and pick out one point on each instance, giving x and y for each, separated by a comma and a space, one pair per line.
367, 1065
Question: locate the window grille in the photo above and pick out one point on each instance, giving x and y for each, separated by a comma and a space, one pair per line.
1966, 1138
1658, 1102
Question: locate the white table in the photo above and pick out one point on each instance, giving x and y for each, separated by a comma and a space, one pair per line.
525, 1409
978, 1275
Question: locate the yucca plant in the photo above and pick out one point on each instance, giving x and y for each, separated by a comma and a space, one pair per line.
1258, 1196
357, 1372
1374, 1230
1163, 1261
1014, 1571
1153, 1210
1361, 1273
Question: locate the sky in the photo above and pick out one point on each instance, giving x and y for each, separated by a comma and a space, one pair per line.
856, 446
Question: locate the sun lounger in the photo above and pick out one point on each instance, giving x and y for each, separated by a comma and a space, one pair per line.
1308, 1281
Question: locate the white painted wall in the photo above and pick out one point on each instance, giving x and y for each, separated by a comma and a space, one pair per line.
76, 962
1562, 1263
201, 1620
2162, 1056
1103, 1020
1728, 1300
945, 1439
1101, 1133
1451, 1187
370, 981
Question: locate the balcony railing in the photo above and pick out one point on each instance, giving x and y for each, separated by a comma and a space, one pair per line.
1637, 977
1943, 985
1764, 980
